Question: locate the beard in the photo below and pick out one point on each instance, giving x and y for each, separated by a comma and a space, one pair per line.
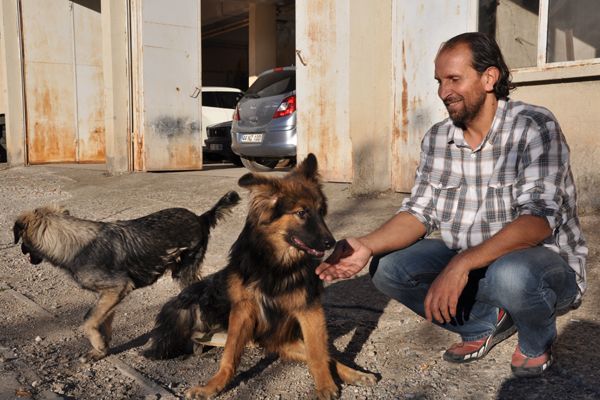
461, 116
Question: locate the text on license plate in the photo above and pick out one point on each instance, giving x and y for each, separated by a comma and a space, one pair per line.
252, 138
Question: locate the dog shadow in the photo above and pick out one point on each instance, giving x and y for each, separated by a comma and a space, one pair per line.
575, 374
352, 307
137, 342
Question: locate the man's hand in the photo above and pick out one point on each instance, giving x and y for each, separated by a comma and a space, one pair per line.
442, 298
348, 257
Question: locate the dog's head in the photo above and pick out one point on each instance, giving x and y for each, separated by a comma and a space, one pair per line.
26, 227
290, 210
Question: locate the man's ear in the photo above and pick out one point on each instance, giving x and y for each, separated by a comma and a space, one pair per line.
490, 77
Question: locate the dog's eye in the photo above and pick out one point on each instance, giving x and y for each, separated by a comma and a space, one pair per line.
302, 213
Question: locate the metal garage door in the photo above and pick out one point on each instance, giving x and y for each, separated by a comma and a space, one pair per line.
168, 78
62, 52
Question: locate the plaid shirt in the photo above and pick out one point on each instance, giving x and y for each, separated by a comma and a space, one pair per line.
521, 167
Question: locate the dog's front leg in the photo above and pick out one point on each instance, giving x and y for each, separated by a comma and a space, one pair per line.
239, 333
314, 332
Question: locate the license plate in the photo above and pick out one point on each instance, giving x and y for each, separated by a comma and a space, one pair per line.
252, 138
216, 147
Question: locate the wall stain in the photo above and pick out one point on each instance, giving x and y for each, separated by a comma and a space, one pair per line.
404, 129
168, 126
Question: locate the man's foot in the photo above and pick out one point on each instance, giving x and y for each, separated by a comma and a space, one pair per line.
528, 367
471, 351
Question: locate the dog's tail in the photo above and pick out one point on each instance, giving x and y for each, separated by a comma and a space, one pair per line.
175, 324
189, 270
221, 208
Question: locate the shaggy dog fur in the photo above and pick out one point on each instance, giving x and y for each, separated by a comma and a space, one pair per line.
114, 258
269, 292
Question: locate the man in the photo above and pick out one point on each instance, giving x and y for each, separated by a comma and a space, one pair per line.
494, 179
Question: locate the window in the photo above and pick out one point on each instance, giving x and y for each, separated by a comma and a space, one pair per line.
273, 84
220, 99
543, 33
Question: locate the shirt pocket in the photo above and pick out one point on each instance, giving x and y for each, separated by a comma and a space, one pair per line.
446, 195
499, 201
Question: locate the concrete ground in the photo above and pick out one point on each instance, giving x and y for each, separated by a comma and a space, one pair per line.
41, 308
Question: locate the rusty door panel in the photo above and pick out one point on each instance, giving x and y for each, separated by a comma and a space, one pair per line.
323, 115
171, 118
90, 84
49, 84
416, 104
62, 51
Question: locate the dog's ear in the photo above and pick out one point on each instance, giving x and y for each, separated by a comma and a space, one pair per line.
250, 180
18, 229
308, 167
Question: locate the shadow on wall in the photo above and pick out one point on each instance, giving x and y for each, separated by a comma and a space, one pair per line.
576, 372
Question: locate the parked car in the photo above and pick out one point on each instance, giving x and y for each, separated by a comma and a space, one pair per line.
218, 142
218, 104
263, 132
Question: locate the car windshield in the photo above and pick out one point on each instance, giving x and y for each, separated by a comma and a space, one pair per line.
273, 84
220, 99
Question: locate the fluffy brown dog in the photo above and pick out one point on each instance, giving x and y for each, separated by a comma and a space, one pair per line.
114, 258
269, 292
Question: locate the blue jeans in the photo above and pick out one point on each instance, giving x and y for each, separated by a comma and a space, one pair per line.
531, 285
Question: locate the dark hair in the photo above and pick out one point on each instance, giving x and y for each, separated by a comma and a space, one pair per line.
485, 53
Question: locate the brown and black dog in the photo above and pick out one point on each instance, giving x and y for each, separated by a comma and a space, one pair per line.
268, 293
114, 258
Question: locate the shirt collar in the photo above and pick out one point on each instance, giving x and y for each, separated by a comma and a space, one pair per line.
456, 134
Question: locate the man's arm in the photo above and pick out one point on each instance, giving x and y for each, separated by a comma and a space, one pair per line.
352, 254
442, 299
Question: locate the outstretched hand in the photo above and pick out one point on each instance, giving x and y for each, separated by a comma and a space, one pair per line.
348, 257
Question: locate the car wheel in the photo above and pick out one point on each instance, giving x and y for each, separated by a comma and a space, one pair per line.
260, 164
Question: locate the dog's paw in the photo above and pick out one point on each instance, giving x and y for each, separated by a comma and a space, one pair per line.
327, 393
199, 393
92, 355
364, 379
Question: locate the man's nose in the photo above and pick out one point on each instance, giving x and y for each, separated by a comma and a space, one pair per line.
443, 91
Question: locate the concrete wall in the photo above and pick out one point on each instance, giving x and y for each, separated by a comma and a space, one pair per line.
262, 37
576, 106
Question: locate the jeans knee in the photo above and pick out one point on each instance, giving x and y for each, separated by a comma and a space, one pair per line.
508, 284
381, 274
390, 276
379, 271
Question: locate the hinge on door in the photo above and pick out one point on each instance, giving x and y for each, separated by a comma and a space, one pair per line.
196, 93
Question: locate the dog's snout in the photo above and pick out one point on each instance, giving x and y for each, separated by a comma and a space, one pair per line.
329, 243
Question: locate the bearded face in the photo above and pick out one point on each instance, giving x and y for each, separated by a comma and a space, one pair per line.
461, 87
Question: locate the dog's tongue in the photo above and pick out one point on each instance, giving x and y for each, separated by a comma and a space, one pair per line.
309, 250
